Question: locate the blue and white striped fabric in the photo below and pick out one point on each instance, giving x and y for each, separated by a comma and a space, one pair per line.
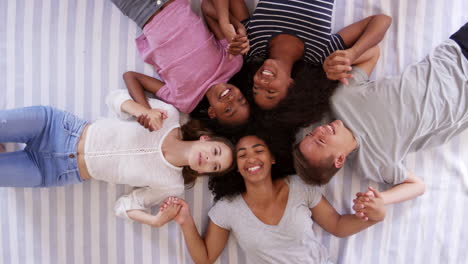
69, 54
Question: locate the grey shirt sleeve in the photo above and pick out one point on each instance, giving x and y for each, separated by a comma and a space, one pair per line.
219, 214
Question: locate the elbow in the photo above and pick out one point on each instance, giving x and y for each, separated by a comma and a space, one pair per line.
384, 20
128, 75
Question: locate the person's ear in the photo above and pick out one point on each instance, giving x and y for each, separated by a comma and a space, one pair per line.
273, 162
204, 138
211, 112
340, 161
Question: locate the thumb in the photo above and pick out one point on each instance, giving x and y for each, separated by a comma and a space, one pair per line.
375, 192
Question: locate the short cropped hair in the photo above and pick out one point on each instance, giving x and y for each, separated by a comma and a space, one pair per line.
311, 174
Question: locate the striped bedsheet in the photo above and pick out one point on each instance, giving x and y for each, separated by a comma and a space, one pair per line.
69, 54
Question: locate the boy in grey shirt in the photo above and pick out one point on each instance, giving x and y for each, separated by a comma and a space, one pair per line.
379, 122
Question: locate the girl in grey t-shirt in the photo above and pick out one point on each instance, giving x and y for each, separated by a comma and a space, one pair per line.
271, 219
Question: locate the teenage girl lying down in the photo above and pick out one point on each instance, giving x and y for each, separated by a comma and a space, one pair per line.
271, 219
192, 61
64, 149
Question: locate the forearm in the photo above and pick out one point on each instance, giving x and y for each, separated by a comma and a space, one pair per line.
364, 35
195, 244
222, 11
133, 108
145, 218
402, 192
349, 224
135, 89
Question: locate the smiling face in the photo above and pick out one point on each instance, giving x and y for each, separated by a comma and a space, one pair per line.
329, 141
227, 104
254, 159
271, 83
210, 156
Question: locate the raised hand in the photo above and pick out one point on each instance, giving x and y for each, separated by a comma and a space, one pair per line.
152, 119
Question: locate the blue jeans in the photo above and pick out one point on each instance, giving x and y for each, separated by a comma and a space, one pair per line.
49, 158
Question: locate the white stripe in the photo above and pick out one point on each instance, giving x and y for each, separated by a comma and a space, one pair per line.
28, 226
129, 237
13, 225
45, 222
95, 208
79, 40
62, 54
163, 244
111, 224
419, 23
95, 101
146, 244
45, 58
78, 230
28, 53
401, 41
61, 228
10, 55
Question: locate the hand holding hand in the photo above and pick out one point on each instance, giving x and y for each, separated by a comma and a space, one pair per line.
167, 212
338, 64
229, 31
239, 45
153, 119
370, 205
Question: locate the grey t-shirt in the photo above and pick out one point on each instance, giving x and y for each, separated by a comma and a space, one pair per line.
291, 241
424, 107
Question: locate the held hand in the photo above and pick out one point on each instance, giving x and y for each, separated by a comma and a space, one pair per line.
338, 64
239, 45
152, 119
166, 213
370, 206
229, 32
184, 215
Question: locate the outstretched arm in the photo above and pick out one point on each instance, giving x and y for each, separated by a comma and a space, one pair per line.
137, 83
412, 187
341, 225
202, 250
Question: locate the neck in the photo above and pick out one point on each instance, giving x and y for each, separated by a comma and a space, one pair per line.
175, 150
262, 193
286, 49
352, 145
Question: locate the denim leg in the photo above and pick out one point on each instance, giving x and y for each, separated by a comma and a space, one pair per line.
23, 125
51, 138
17, 169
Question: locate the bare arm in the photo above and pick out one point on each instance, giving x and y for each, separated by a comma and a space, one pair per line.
340, 225
412, 187
365, 34
202, 250
137, 83
161, 218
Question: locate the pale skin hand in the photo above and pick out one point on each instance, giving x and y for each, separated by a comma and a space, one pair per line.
369, 205
152, 119
166, 213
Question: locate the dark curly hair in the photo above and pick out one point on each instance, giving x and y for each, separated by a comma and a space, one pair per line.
280, 145
306, 102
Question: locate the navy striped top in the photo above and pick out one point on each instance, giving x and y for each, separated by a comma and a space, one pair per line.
309, 20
